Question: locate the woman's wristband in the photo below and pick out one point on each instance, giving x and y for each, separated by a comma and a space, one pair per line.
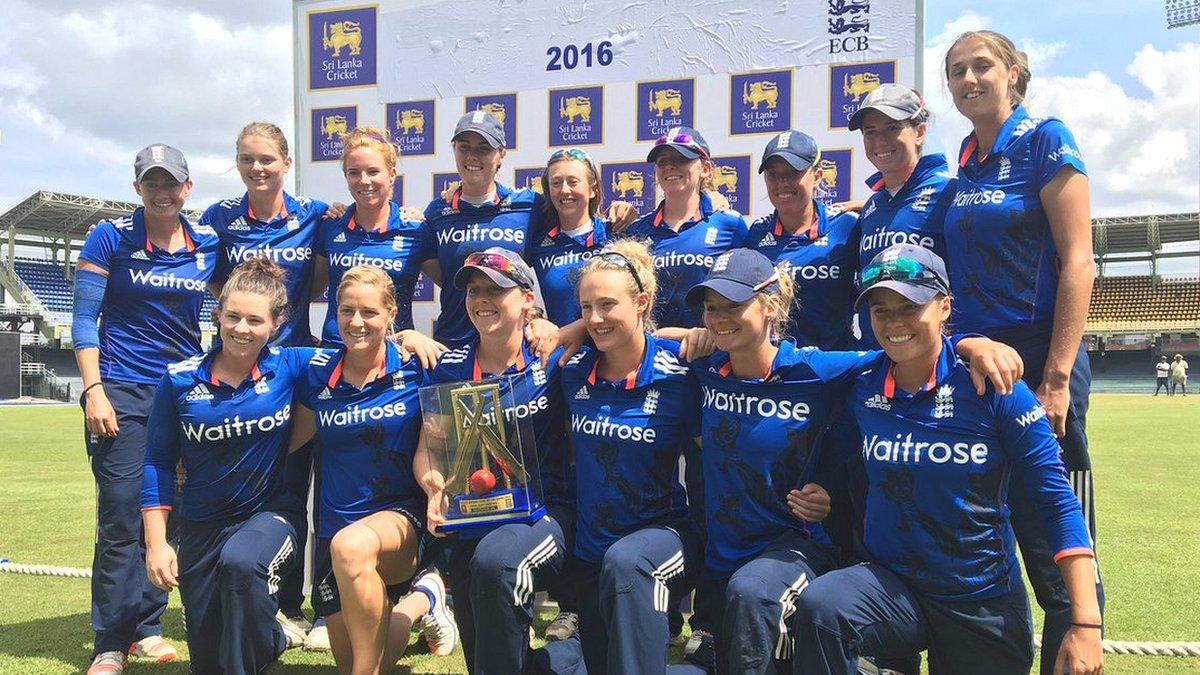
1097, 626
91, 387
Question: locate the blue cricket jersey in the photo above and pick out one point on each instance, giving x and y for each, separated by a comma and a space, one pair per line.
682, 259
628, 437
455, 229
938, 467
367, 438
545, 408
824, 262
914, 215
151, 311
1002, 259
397, 251
286, 238
556, 259
759, 441
232, 439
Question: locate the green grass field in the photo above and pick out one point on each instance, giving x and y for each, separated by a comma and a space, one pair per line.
1148, 516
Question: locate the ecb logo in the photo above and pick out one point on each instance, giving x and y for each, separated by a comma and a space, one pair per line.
411, 125
849, 84
329, 129
664, 104
631, 182
834, 173
341, 48
528, 179
398, 189
504, 108
445, 181
731, 177
760, 102
423, 289
576, 116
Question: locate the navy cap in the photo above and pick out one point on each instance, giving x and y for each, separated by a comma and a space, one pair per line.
483, 123
894, 100
797, 147
913, 271
737, 275
507, 273
684, 140
160, 156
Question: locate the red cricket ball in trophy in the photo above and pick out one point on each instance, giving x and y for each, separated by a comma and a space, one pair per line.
482, 482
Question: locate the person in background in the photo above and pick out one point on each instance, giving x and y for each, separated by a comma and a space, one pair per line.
1179, 369
143, 277
1162, 373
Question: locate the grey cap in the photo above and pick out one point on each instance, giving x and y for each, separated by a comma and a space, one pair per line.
160, 156
913, 271
483, 123
894, 100
516, 272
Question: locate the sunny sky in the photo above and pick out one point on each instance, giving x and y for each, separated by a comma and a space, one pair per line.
84, 85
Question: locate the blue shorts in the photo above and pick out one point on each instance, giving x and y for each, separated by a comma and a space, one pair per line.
325, 597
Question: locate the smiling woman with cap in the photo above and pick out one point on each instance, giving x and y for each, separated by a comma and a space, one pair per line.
940, 450
145, 324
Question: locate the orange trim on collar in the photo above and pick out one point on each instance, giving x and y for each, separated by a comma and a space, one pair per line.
878, 185
658, 217
255, 376
972, 146
458, 195
477, 372
812, 230
889, 381
726, 369
282, 211
630, 382
188, 243
336, 375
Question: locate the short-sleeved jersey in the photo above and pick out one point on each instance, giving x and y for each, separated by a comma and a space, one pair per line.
456, 228
682, 259
546, 410
628, 437
824, 261
556, 258
938, 465
367, 437
232, 439
151, 311
1002, 259
914, 215
758, 439
397, 251
286, 238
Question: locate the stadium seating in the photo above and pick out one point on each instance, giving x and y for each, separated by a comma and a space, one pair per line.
1135, 303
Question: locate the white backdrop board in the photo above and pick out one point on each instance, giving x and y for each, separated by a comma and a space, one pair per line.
606, 75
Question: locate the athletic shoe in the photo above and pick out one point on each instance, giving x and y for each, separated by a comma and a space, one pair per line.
438, 627
563, 627
153, 648
301, 622
318, 638
291, 632
108, 663
700, 650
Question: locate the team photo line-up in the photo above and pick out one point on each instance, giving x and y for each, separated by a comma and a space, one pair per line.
834, 424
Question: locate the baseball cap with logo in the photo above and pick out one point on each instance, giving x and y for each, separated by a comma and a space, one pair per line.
483, 123
684, 140
160, 156
501, 265
796, 147
737, 275
894, 100
913, 271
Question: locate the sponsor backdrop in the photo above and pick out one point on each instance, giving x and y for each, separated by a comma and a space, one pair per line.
605, 75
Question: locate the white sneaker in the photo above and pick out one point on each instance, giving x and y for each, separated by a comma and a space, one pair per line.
438, 626
108, 663
318, 638
154, 649
293, 634
302, 623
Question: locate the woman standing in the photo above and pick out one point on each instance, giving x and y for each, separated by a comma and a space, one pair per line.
1018, 237
144, 278
225, 416
939, 453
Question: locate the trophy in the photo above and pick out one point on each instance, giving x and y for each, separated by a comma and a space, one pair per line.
485, 451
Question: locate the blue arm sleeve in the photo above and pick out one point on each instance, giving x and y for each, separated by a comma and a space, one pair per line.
89, 298
1054, 147
162, 449
1030, 444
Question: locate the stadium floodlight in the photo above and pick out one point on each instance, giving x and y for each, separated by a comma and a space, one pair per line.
1182, 13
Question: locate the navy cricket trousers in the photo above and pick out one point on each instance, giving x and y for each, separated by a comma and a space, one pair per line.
125, 606
866, 609
229, 576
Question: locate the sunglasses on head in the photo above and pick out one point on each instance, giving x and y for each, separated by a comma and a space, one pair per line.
618, 259
496, 262
900, 269
686, 140
573, 153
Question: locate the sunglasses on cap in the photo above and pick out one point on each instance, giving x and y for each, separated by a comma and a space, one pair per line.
573, 153
618, 259
497, 262
686, 140
900, 269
